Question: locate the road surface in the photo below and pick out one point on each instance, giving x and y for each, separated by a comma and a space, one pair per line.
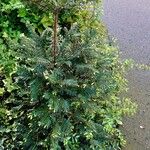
129, 22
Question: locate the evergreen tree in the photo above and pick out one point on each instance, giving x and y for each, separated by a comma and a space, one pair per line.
69, 80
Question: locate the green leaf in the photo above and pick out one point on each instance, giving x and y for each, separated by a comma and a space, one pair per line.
9, 84
2, 90
47, 20
22, 12
70, 82
36, 87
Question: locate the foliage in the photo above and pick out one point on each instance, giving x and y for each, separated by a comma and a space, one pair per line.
52, 5
72, 102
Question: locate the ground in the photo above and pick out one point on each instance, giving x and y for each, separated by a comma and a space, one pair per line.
129, 22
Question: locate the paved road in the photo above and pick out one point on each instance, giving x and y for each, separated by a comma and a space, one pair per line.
129, 22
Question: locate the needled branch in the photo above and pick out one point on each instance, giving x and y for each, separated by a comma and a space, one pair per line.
55, 40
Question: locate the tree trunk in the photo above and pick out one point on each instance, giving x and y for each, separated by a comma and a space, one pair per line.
55, 40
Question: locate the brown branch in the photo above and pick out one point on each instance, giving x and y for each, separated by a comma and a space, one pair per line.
55, 40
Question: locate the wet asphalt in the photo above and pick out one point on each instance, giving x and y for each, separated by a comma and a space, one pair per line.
129, 22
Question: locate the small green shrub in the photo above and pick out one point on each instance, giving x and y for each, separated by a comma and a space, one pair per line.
68, 82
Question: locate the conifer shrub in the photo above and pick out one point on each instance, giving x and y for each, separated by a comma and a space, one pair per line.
68, 84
